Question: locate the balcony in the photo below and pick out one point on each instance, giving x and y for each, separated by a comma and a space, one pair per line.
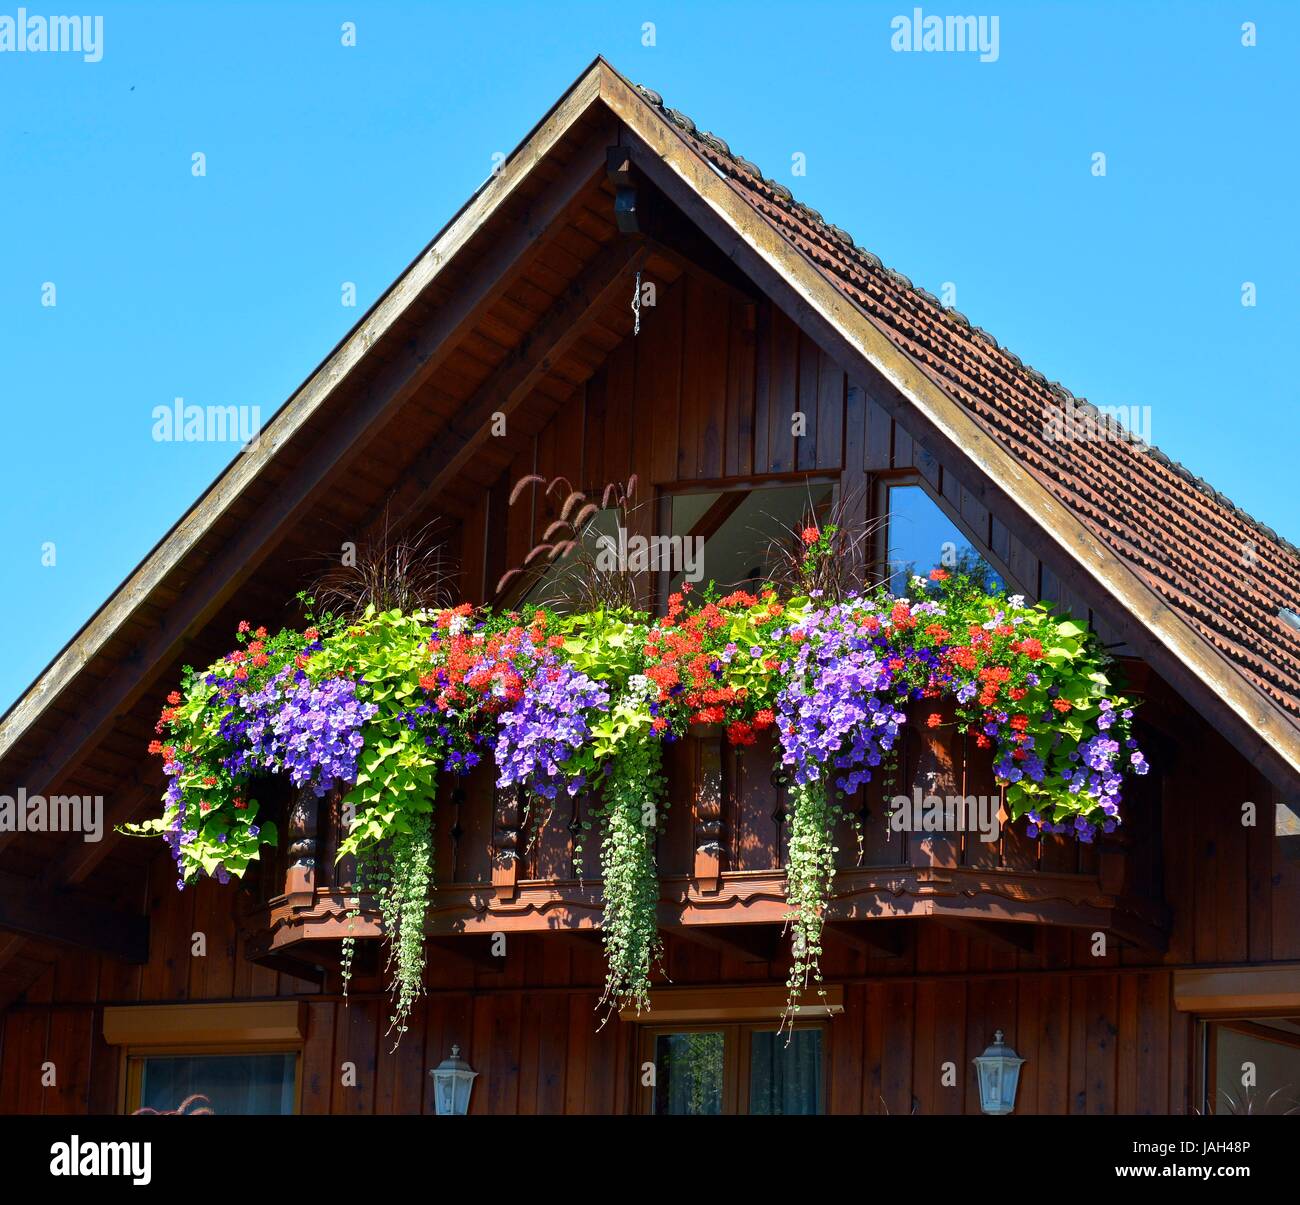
499, 868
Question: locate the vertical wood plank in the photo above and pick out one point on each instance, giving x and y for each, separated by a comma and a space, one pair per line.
319, 1071
808, 398
738, 432
784, 397
766, 318
659, 377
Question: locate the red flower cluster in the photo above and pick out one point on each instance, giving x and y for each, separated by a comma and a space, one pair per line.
684, 661
494, 666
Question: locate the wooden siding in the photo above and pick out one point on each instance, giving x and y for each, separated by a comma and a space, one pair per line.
705, 394
1099, 1034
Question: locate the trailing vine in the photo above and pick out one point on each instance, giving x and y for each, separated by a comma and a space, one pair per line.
629, 819
402, 900
810, 870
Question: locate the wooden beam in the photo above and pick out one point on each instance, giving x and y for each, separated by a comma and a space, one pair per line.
605, 278
473, 949
748, 943
1238, 989
219, 1022
871, 937
334, 449
1005, 935
687, 1004
71, 919
76, 863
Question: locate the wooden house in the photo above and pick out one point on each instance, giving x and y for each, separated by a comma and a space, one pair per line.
772, 360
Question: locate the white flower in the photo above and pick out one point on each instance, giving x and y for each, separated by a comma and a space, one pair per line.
918, 582
458, 624
1016, 601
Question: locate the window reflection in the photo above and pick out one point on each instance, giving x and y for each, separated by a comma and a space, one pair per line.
921, 537
1255, 1066
689, 1070
736, 530
232, 1083
785, 1079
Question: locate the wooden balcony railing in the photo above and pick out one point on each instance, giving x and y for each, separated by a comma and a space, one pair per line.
503, 866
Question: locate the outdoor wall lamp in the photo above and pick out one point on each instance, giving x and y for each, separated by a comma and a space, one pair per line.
999, 1074
453, 1080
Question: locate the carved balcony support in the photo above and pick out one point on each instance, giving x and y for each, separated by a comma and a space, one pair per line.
300, 877
506, 822
707, 807
936, 777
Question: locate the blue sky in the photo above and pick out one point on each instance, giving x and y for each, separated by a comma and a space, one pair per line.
328, 163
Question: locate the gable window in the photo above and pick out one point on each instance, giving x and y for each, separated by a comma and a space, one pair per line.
918, 536
709, 1069
729, 537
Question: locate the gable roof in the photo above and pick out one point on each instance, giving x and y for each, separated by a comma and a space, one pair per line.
1161, 546
1225, 573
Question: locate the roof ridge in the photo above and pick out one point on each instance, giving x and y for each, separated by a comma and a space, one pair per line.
874, 263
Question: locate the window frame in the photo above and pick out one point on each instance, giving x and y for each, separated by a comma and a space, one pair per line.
1207, 1070
882, 482
736, 1053
663, 509
133, 1057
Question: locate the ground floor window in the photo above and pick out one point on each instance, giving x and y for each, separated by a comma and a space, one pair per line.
1251, 1065
254, 1082
733, 1068
232, 1057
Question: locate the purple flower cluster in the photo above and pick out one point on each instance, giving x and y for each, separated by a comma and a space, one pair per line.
546, 728
317, 732
835, 711
313, 732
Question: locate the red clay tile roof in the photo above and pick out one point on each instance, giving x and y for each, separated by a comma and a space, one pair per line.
1224, 573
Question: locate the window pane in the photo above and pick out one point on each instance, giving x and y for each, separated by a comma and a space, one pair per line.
920, 537
737, 530
233, 1083
570, 583
785, 1080
688, 1073
1253, 1073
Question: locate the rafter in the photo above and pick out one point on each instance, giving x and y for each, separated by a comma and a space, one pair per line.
595, 287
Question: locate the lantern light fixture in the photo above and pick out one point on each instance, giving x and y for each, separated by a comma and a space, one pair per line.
453, 1080
999, 1075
